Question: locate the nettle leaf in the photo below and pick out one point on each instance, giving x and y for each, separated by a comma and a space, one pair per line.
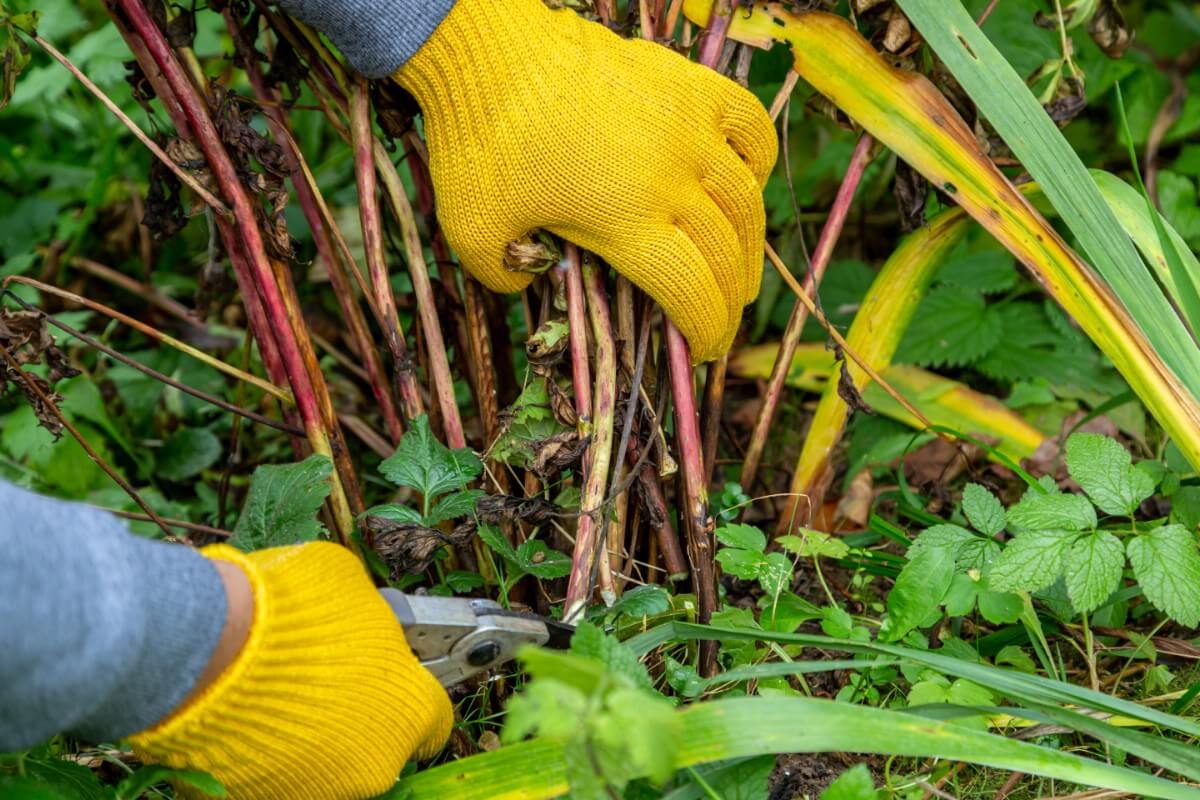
395, 513
744, 564
853, 784
282, 504
1167, 567
1105, 470
423, 463
494, 539
1030, 562
953, 327
591, 642
813, 544
536, 558
983, 509
1051, 512
187, 453
977, 553
941, 537
919, 590
1093, 569
747, 537
146, 777
642, 601
453, 506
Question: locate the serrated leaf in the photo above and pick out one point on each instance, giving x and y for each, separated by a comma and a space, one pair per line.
282, 504
1031, 561
144, 778
919, 590
395, 513
853, 784
813, 544
1104, 469
1093, 569
423, 463
1185, 507
493, 538
983, 509
591, 642
990, 271
536, 558
453, 506
747, 537
941, 537
1051, 512
744, 564
953, 327
642, 601
187, 453
1167, 568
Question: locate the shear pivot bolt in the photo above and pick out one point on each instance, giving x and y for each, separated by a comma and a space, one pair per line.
483, 653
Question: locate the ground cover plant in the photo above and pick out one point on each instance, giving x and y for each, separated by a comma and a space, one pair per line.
930, 529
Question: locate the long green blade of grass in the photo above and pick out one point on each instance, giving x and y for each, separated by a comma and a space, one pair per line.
1033, 689
1015, 113
749, 726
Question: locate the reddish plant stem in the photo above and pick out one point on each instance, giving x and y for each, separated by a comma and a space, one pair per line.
280, 124
791, 336
317, 426
658, 516
694, 506
435, 345
572, 275
372, 230
710, 413
587, 559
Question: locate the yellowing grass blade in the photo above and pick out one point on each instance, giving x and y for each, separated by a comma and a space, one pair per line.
908, 114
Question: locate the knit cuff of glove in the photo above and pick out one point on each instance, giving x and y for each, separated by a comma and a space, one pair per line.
325, 698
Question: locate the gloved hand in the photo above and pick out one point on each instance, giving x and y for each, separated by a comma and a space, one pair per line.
538, 119
325, 701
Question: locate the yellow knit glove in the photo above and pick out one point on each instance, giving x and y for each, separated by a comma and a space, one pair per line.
538, 119
325, 701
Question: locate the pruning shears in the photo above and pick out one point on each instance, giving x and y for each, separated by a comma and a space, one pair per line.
456, 637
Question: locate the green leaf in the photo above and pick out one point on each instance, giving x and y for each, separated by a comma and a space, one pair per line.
642, 601
1000, 608
853, 784
746, 537
395, 513
919, 590
454, 506
983, 509
144, 778
423, 463
1167, 568
591, 642
1051, 512
740, 779
814, 544
1093, 569
536, 558
282, 504
1016, 658
530, 420
1104, 469
941, 537
953, 327
494, 538
1031, 561
744, 564
187, 453
70, 778
1185, 507
14, 787
776, 574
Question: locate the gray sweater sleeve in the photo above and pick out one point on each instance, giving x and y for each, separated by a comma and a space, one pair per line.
102, 633
376, 36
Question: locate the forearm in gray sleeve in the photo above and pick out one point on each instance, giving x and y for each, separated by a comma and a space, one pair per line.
102, 633
376, 36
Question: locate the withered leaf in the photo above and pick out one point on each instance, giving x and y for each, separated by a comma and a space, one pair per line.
558, 452
409, 549
498, 508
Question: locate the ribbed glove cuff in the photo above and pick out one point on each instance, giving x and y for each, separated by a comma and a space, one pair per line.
325, 700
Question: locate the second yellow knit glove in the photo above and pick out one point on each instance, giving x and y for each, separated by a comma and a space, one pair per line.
538, 119
325, 701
